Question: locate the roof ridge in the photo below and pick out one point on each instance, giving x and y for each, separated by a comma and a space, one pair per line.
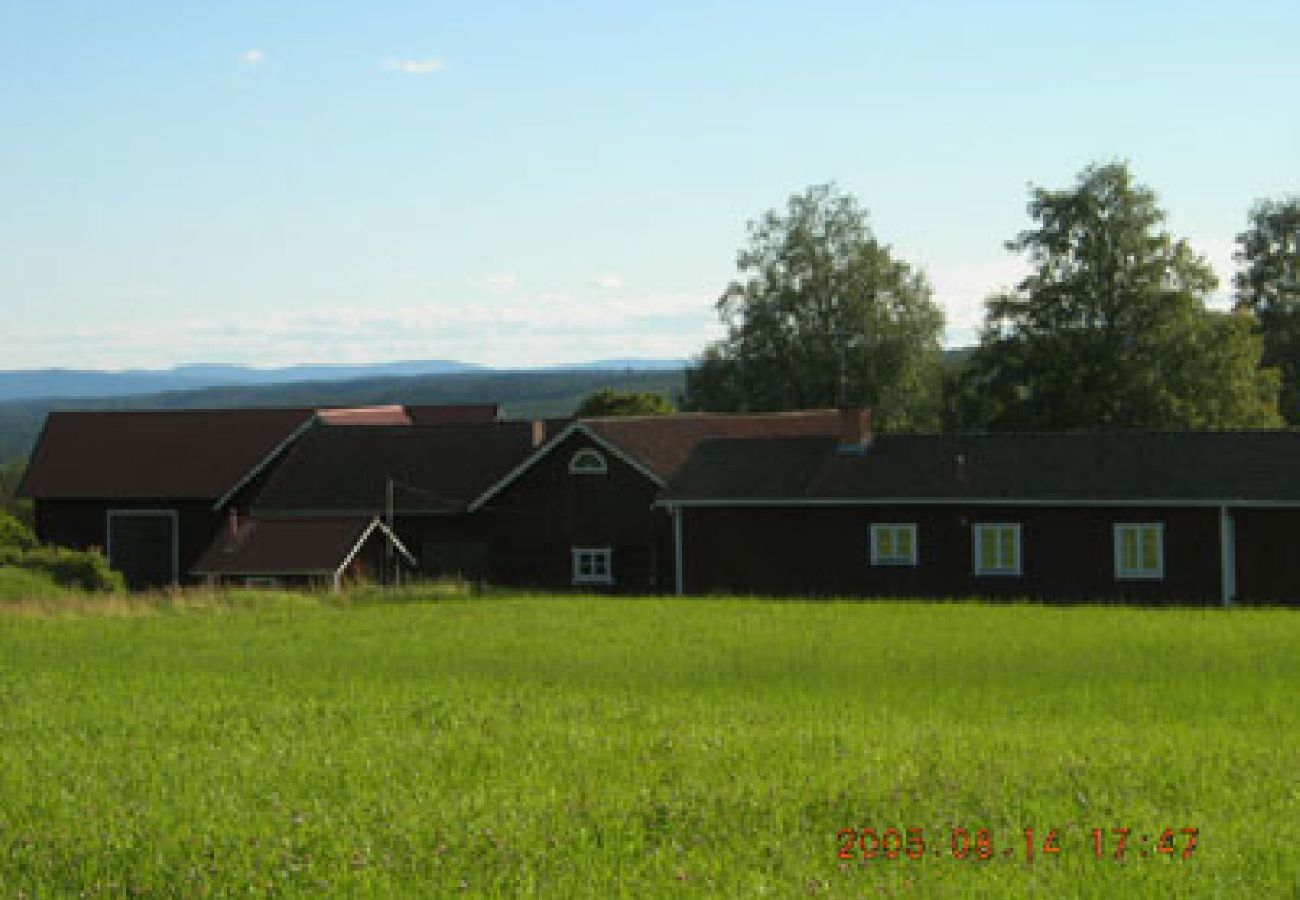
680, 416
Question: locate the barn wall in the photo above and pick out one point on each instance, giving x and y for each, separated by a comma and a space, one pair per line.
535, 522
82, 524
1268, 564
1066, 554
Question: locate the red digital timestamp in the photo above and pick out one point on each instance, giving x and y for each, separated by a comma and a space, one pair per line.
961, 843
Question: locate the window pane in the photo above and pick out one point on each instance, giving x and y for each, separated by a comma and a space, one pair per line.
988, 549
884, 542
1007, 548
905, 542
1150, 548
1128, 549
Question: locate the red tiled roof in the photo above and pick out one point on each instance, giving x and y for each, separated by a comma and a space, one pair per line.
662, 443
158, 453
281, 546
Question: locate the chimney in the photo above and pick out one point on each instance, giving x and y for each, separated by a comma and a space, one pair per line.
539, 432
855, 429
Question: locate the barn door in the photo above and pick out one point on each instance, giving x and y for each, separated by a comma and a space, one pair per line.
142, 546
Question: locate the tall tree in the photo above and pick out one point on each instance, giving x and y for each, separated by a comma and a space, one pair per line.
823, 314
1110, 329
1268, 284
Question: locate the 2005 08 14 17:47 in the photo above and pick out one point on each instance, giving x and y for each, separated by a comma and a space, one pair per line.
1123, 843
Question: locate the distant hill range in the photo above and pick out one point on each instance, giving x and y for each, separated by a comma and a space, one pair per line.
52, 384
521, 393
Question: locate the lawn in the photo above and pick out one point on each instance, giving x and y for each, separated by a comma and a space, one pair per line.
273, 745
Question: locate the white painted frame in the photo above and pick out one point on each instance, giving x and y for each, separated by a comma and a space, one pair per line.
1017, 567
171, 514
600, 557
588, 461
1138, 574
878, 528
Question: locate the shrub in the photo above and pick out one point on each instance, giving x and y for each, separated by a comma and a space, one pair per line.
87, 570
14, 533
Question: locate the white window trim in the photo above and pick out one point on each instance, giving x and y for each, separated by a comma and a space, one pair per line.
578, 462
977, 530
877, 560
1139, 574
576, 554
171, 514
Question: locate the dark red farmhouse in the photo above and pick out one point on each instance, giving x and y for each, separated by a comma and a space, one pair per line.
1148, 517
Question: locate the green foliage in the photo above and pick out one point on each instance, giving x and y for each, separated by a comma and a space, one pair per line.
818, 296
15, 534
643, 748
1269, 285
27, 584
86, 570
609, 402
11, 475
1110, 329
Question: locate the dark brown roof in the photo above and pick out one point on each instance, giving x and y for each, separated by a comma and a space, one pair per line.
437, 468
283, 546
449, 413
662, 443
1190, 466
171, 453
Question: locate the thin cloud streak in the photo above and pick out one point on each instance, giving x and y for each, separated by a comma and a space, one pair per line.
415, 66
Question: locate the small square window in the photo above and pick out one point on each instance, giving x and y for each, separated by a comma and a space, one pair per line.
1140, 550
593, 565
996, 548
893, 545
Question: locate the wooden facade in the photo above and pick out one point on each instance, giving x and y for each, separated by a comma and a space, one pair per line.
85, 523
535, 524
1064, 553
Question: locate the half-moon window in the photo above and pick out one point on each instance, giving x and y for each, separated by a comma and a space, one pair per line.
588, 462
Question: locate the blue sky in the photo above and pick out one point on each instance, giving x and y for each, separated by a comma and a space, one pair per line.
275, 182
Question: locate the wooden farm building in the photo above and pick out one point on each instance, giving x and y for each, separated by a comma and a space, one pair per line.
1148, 517
803, 503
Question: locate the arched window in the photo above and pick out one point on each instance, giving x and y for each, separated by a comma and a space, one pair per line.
587, 462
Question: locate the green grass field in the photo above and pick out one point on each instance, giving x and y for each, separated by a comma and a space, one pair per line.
272, 745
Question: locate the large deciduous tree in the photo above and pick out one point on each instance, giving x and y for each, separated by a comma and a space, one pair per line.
821, 314
1110, 329
1268, 285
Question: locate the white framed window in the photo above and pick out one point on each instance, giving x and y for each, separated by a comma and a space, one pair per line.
593, 565
996, 548
588, 462
1140, 550
893, 544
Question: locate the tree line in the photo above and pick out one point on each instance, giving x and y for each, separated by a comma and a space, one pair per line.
1109, 330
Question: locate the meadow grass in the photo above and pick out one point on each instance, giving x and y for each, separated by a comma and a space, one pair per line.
281, 745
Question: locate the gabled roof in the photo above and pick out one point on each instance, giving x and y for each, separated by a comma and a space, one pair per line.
291, 546
186, 454
658, 445
437, 469
1190, 467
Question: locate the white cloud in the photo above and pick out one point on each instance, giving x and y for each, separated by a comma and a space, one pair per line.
608, 281
414, 66
252, 57
507, 330
498, 282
